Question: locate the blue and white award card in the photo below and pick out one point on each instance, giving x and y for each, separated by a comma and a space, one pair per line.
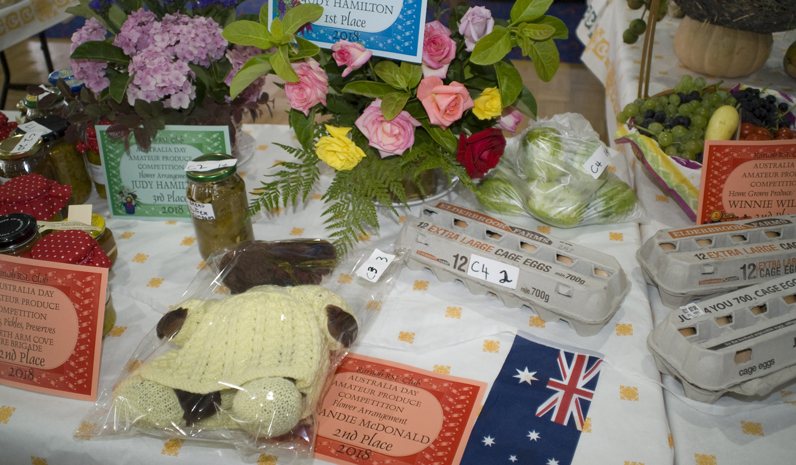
388, 28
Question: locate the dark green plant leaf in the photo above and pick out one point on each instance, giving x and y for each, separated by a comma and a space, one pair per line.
301, 15
118, 86
247, 75
411, 73
264, 14
202, 75
390, 73
492, 48
305, 49
117, 16
281, 65
220, 69
368, 88
562, 32
277, 31
303, 126
509, 82
545, 59
248, 33
393, 103
536, 31
443, 137
529, 10
143, 109
479, 83
101, 51
415, 108
526, 103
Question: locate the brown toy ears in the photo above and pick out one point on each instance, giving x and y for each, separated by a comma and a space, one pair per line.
342, 326
171, 323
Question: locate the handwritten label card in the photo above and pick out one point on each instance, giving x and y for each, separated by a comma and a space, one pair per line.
388, 28
153, 185
45, 309
747, 179
378, 411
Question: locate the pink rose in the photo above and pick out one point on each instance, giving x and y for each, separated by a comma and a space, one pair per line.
312, 87
510, 118
389, 137
444, 104
438, 50
351, 55
476, 23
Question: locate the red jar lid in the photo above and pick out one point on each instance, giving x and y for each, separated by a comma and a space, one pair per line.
70, 246
35, 195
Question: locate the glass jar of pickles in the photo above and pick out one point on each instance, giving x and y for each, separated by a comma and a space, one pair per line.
97, 172
18, 234
19, 157
30, 110
66, 160
218, 204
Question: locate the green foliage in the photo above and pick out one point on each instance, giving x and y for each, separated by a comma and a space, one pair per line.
101, 51
529, 10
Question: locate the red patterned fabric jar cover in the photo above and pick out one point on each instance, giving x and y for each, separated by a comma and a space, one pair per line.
70, 246
35, 195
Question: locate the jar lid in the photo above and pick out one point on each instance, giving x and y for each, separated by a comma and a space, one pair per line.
56, 124
69, 78
9, 150
32, 101
70, 246
97, 221
16, 228
214, 174
35, 195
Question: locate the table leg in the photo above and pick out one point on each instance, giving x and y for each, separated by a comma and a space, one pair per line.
6, 79
46, 51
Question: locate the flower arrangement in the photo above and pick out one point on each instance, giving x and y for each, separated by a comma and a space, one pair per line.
165, 62
384, 121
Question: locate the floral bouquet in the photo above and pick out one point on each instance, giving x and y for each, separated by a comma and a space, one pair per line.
167, 63
385, 121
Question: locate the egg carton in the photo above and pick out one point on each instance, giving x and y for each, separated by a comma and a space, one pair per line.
555, 278
742, 342
704, 261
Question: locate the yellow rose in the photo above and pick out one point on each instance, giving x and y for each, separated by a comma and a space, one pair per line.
340, 152
488, 105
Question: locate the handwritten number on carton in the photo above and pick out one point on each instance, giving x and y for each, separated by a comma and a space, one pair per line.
491, 271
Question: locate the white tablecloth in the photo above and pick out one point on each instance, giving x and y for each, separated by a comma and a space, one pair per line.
732, 431
424, 323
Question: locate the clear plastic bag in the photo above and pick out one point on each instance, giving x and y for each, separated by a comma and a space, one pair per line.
544, 173
245, 357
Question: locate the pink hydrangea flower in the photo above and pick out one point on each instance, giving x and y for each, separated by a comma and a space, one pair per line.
352, 55
476, 23
157, 76
438, 50
135, 33
510, 119
390, 137
200, 41
311, 89
91, 72
444, 104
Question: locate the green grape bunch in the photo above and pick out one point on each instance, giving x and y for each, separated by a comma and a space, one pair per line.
639, 26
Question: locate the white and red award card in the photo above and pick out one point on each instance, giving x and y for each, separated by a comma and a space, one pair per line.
747, 179
51, 317
379, 411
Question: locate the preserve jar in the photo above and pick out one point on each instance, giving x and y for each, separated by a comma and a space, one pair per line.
30, 106
218, 205
35, 195
18, 158
67, 161
104, 237
18, 234
78, 248
97, 172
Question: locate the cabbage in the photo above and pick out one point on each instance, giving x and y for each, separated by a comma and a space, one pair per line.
497, 194
541, 147
560, 205
613, 201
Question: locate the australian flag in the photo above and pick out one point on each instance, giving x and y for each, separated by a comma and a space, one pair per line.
536, 409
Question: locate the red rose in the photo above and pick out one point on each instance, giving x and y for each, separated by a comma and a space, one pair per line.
480, 152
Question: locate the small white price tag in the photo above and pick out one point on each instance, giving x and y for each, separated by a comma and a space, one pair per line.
27, 141
598, 161
375, 266
32, 126
493, 271
691, 311
201, 211
209, 165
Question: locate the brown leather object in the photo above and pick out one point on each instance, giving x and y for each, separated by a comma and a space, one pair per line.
281, 263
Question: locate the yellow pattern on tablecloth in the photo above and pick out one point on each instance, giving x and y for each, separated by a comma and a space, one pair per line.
155, 282
126, 235
406, 337
628, 393
140, 257
296, 231
536, 322
624, 329
117, 331
265, 459
374, 305
586, 425
172, 447
188, 241
752, 428
86, 430
453, 312
543, 229
615, 236
37, 461
420, 286
491, 346
704, 459
5, 413
443, 369
345, 278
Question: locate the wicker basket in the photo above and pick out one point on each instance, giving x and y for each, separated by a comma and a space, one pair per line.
747, 15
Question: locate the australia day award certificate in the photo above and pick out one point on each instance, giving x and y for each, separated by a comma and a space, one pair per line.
388, 28
152, 185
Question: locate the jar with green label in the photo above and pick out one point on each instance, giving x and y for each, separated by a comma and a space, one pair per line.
30, 109
218, 205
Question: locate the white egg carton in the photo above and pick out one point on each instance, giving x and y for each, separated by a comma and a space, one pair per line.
712, 259
555, 278
742, 342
